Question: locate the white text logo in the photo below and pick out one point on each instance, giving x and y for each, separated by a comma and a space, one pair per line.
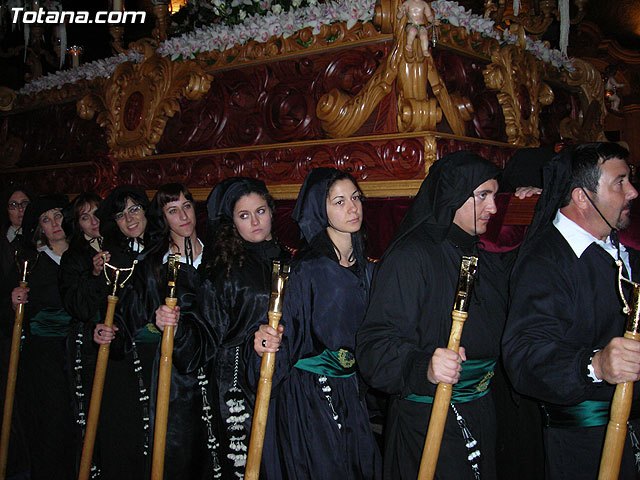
53, 16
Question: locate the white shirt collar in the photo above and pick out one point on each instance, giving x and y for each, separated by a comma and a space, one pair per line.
54, 256
579, 240
136, 246
12, 232
183, 259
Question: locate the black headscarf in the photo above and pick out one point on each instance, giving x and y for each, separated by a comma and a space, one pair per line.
224, 196
310, 212
36, 208
556, 176
451, 181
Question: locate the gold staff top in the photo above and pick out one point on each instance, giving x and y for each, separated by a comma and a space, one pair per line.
116, 274
468, 268
173, 265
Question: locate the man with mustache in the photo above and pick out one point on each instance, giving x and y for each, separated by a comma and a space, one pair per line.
562, 343
401, 345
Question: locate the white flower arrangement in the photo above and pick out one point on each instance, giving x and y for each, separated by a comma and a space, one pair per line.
458, 16
100, 68
276, 22
262, 27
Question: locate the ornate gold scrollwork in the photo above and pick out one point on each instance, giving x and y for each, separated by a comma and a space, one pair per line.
535, 22
430, 152
7, 99
589, 126
341, 114
516, 75
133, 105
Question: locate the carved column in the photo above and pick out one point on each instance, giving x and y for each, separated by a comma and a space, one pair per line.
517, 76
588, 127
160, 12
341, 114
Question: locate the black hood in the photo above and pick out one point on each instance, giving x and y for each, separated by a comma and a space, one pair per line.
451, 181
557, 174
310, 212
225, 194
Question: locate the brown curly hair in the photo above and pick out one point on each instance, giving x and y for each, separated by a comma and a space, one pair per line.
225, 247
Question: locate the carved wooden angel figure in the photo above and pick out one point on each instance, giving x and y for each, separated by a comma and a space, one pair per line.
611, 87
419, 16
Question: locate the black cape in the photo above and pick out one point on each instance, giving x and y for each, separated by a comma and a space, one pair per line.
562, 309
186, 454
324, 304
44, 392
213, 329
409, 316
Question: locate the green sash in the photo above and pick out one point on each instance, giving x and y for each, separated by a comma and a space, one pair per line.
50, 322
148, 334
590, 413
341, 363
473, 383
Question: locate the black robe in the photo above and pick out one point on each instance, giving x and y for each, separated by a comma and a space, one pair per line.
408, 317
562, 309
186, 454
322, 428
84, 297
18, 459
124, 431
44, 392
213, 330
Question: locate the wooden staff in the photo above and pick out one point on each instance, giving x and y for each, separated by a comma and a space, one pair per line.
100, 373
12, 376
621, 404
442, 399
279, 276
164, 375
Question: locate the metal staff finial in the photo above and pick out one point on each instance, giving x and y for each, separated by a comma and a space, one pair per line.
621, 278
173, 266
632, 311
435, 36
23, 264
116, 274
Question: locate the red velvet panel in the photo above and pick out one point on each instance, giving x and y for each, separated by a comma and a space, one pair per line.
383, 215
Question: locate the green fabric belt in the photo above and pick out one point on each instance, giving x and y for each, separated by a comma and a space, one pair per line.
148, 334
473, 383
340, 363
590, 413
50, 322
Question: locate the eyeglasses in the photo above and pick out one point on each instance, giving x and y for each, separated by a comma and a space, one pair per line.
16, 205
133, 211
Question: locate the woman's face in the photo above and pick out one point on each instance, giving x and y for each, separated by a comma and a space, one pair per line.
87, 220
344, 207
16, 205
132, 220
252, 218
51, 225
180, 216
